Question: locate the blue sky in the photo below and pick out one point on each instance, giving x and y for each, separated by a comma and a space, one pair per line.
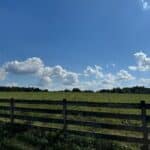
81, 43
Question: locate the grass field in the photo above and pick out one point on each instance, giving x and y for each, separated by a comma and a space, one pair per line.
91, 97
98, 97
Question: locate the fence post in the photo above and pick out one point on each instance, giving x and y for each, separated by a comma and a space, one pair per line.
11, 112
65, 116
144, 125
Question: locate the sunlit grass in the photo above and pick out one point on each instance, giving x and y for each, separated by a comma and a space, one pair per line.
90, 97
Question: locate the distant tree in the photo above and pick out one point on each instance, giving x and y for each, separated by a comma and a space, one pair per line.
116, 90
67, 90
46, 90
76, 90
21, 89
134, 90
103, 91
88, 91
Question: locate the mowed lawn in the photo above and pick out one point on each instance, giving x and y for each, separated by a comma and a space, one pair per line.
93, 97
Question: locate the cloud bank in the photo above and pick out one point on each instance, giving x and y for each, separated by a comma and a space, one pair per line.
58, 78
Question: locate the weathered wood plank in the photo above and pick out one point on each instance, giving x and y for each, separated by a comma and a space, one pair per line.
106, 105
105, 125
105, 115
49, 102
39, 119
78, 103
38, 110
32, 101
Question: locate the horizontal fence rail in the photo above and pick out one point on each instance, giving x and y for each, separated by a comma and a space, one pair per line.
10, 109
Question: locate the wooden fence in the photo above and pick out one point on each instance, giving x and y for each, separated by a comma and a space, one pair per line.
10, 105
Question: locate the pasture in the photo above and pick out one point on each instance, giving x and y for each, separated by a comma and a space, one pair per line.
91, 97
94, 97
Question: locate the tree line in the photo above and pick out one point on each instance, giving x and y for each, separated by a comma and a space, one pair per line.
21, 89
133, 90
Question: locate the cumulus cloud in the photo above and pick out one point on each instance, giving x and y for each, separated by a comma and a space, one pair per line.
29, 66
58, 74
143, 82
96, 71
3, 74
46, 74
112, 80
57, 77
70, 78
45, 81
124, 75
145, 4
143, 62
109, 79
140, 82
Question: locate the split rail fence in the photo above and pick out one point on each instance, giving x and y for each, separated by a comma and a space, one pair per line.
10, 105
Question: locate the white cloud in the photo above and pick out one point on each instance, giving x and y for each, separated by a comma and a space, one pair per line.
58, 74
35, 66
58, 78
45, 81
70, 78
109, 79
30, 66
124, 75
113, 80
94, 71
3, 74
145, 4
143, 62
144, 82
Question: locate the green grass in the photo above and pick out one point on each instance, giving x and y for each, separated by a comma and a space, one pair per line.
96, 97
91, 97
36, 139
